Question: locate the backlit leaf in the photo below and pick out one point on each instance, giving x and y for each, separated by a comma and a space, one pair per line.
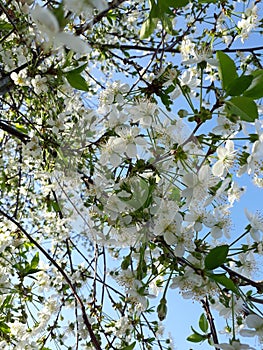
255, 90
216, 257
203, 323
239, 85
227, 69
243, 107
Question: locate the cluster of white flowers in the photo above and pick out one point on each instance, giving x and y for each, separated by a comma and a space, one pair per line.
140, 171
48, 25
248, 22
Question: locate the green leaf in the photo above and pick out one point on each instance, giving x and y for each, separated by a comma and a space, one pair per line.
29, 271
167, 24
126, 262
4, 328
163, 7
60, 15
148, 27
129, 347
203, 323
224, 281
139, 189
255, 90
35, 261
68, 59
207, 1
5, 26
165, 98
196, 338
77, 81
216, 257
78, 70
55, 206
239, 85
227, 69
244, 107
180, 3
175, 195
7, 304
21, 128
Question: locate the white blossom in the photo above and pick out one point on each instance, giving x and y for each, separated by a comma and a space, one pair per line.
226, 156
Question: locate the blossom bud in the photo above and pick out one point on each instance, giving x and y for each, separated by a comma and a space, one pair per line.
162, 309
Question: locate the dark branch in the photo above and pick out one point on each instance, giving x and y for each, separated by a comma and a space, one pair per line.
210, 320
244, 280
61, 270
81, 29
168, 48
14, 132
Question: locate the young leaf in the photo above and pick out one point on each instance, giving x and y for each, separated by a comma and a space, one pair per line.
216, 257
203, 323
55, 206
35, 261
167, 24
207, 1
239, 85
244, 107
77, 81
227, 69
4, 328
255, 90
129, 347
77, 70
180, 3
224, 281
148, 27
5, 26
196, 338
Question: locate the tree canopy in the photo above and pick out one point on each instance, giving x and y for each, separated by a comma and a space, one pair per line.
126, 127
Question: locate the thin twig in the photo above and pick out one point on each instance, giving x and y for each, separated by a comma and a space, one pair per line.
94, 340
210, 320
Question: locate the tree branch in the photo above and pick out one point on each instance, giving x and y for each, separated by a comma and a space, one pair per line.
94, 340
257, 284
210, 320
167, 48
81, 29
14, 132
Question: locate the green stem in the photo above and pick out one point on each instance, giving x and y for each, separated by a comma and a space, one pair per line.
186, 96
243, 235
233, 316
201, 89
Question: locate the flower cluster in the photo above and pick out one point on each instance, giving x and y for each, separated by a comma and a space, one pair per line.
124, 141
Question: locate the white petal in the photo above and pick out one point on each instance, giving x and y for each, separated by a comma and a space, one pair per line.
140, 141
45, 20
224, 346
254, 321
230, 145
255, 234
131, 150
248, 333
100, 5
216, 232
189, 179
169, 238
73, 42
204, 173
218, 168
221, 152
115, 160
212, 62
